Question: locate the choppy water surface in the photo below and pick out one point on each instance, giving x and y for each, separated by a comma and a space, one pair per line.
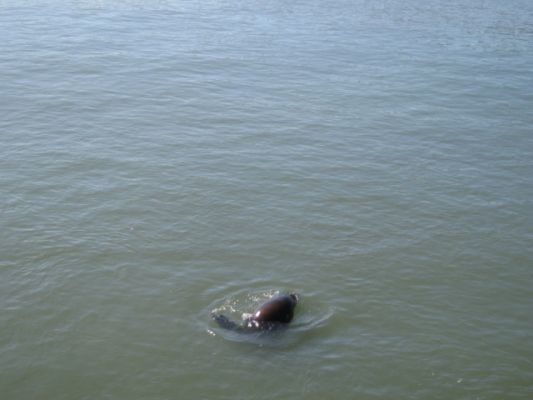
161, 159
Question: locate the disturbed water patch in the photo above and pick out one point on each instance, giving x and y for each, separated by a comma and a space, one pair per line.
309, 314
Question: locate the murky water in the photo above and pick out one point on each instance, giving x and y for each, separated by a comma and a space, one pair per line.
161, 160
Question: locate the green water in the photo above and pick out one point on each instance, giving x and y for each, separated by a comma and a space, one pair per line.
160, 161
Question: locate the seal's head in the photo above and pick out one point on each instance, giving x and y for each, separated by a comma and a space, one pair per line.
277, 309
273, 314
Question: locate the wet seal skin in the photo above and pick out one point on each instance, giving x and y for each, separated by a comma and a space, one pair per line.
275, 313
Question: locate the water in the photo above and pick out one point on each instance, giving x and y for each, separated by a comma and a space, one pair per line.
159, 159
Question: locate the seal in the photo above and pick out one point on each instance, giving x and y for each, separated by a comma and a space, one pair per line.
275, 313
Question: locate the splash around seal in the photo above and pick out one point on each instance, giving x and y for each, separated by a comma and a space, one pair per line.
274, 313
238, 302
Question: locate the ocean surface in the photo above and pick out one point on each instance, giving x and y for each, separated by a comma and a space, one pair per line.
161, 160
